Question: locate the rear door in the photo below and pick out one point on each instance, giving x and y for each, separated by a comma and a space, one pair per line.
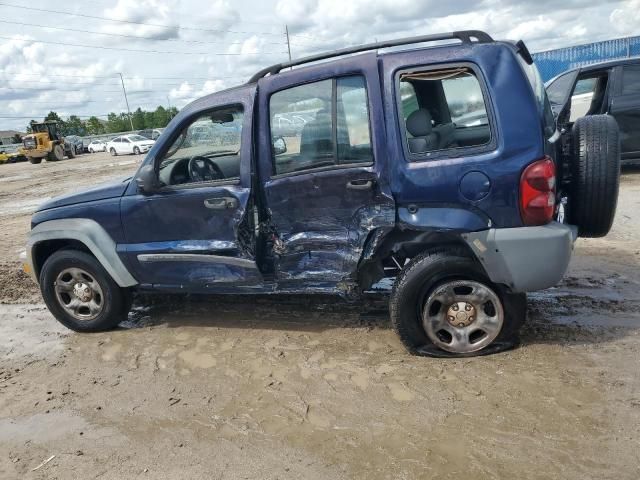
625, 107
325, 185
195, 231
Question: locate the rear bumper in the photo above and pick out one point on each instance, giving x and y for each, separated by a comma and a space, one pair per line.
527, 258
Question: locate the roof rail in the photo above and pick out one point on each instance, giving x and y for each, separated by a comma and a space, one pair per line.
466, 36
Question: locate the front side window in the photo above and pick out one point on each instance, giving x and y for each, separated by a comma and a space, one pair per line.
208, 149
588, 95
443, 109
558, 90
631, 79
320, 124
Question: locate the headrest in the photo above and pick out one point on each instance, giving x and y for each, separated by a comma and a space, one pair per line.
419, 123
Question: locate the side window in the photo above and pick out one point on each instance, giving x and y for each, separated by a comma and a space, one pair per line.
443, 109
559, 89
208, 149
630, 79
409, 99
588, 95
353, 136
320, 124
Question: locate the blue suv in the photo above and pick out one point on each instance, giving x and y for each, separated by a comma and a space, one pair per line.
439, 166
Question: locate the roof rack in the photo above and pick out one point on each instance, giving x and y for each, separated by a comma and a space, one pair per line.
466, 36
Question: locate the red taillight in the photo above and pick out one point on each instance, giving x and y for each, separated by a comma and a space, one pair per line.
538, 192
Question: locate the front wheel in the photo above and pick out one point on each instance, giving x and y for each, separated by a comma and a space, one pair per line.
113, 152
136, 151
80, 293
443, 304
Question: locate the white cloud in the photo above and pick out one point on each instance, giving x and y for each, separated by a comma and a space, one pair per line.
38, 77
162, 24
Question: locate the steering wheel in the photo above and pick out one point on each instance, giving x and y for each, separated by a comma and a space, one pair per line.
203, 169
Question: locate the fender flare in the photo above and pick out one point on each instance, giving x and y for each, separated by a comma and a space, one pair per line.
88, 232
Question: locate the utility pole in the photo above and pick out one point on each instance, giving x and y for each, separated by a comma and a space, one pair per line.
169, 103
126, 101
286, 32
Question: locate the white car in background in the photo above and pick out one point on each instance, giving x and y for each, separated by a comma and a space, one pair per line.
125, 144
97, 146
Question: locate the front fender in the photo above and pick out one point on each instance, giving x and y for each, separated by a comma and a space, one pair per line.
89, 233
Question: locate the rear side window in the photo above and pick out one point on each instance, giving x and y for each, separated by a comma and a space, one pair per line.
320, 124
630, 79
443, 109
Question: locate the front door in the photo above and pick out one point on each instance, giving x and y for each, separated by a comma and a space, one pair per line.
625, 108
323, 186
196, 231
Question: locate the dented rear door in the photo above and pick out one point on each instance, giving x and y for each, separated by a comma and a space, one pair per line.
324, 182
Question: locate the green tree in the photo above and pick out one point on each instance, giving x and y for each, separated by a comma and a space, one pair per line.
117, 122
17, 138
149, 120
138, 119
75, 126
160, 117
94, 126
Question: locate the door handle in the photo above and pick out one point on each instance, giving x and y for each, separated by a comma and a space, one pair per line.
360, 184
221, 203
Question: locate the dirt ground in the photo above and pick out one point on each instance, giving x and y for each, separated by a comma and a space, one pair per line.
312, 388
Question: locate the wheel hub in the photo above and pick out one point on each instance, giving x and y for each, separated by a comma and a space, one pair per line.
82, 291
461, 314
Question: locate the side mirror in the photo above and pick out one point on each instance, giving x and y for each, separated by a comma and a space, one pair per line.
279, 146
147, 180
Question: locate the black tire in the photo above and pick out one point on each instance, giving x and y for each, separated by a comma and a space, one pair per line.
113, 152
426, 272
116, 301
136, 151
72, 152
91, 150
35, 161
56, 154
595, 174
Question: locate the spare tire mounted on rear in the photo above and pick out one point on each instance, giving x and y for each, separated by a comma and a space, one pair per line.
595, 174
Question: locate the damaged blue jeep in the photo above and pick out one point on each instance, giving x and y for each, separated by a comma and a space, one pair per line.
435, 162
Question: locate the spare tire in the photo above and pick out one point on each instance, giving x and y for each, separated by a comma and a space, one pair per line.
595, 174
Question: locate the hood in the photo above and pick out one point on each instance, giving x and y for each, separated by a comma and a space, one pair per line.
115, 188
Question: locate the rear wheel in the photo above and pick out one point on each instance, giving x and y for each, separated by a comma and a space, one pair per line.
72, 152
112, 151
80, 293
595, 173
442, 304
34, 160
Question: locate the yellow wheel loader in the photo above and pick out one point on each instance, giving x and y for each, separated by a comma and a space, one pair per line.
45, 141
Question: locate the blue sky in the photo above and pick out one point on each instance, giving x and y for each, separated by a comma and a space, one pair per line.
172, 51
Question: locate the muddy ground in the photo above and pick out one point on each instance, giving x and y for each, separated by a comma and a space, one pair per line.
312, 388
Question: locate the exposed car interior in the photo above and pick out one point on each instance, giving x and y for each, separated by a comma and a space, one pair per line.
443, 109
